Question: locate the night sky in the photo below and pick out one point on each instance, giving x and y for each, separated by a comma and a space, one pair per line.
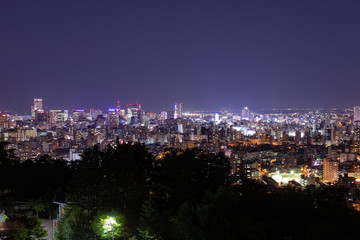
206, 54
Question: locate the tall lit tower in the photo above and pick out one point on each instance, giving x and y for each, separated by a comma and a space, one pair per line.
118, 106
163, 115
133, 113
245, 113
37, 107
331, 168
178, 111
356, 115
38, 104
356, 142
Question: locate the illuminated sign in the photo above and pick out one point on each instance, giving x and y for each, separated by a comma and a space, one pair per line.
79, 110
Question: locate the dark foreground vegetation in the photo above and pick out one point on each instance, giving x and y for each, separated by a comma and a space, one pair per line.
180, 195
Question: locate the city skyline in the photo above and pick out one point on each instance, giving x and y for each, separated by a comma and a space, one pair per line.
208, 54
116, 106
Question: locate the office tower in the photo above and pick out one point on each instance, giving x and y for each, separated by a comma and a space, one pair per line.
113, 118
245, 113
36, 108
58, 117
330, 171
163, 115
217, 118
4, 121
38, 104
178, 110
357, 115
94, 113
79, 115
133, 114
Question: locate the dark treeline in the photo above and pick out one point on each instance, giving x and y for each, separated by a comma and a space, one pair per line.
180, 195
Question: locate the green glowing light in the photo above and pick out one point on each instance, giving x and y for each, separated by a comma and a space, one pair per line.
109, 226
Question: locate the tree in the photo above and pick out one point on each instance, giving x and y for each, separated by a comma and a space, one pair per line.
118, 177
109, 226
187, 175
29, 229
38, 205
214, 217
75, 224
149, 221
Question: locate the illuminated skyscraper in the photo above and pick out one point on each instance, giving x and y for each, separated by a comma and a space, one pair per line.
113, 118
4, 118
245, 113
178, 110
38, 104
79, 115
118, 106
357, 115
163, 115
217, 118
133, 113
58, 116
37, 107
331, 168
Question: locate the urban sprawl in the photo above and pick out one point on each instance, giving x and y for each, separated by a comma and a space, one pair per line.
288, 147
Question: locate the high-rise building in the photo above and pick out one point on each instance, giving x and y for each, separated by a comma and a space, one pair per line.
357, 115
79, 115
245, 113
113, 118
330, 171
163, 115
37, 107
178, 110
4, 118
118, 106
133, 113
217, 118
38, 104
58, 116
94, 113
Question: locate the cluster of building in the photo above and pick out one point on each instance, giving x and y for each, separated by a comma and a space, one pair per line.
278, 147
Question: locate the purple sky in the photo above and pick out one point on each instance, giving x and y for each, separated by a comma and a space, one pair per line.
206, 54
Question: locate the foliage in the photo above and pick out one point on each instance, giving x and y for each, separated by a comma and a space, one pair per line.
149, 221
183, 195
108, 226
38, 205
29, 229
116, 178
212, 218
75, 224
